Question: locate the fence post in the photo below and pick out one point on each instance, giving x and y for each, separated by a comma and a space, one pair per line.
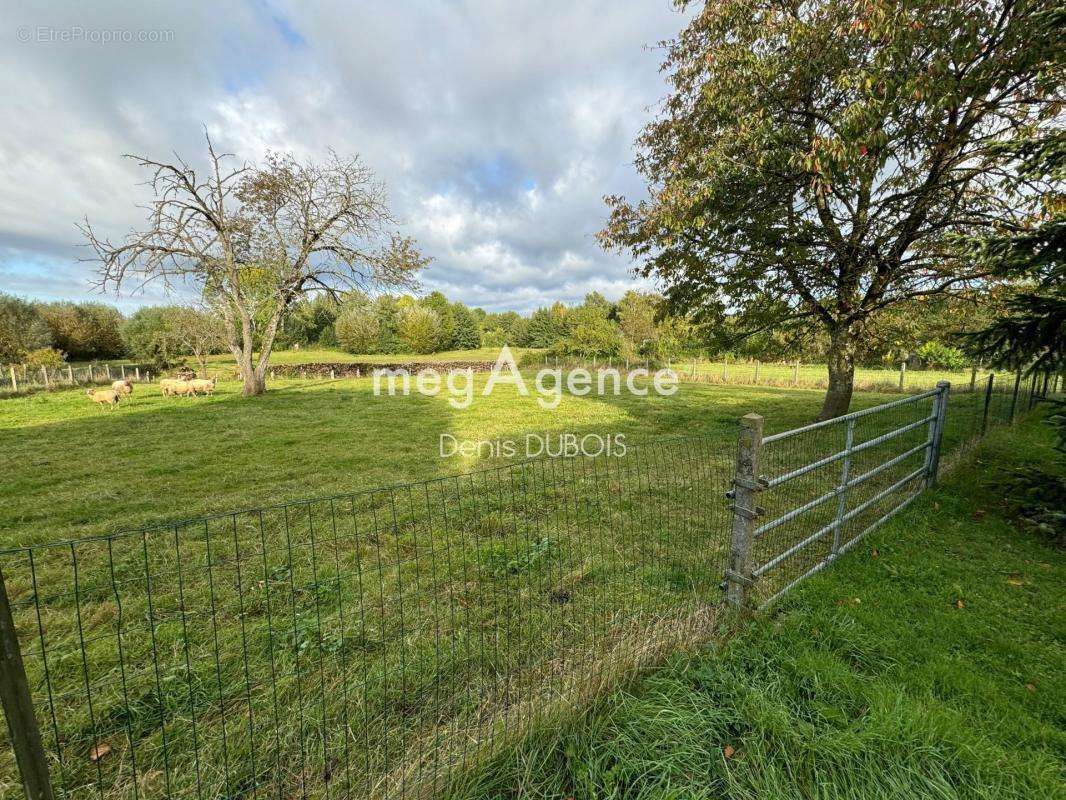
757, 365
725, 367
973, 378
902, 373
936, 433
842, 490
745, 490
90, 372
1014, 397
18, 709
14, 381
796, 374
988, 400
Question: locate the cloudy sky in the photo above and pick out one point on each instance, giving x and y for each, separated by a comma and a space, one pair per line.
497, 125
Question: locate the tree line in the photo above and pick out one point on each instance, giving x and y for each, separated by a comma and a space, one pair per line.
637, 326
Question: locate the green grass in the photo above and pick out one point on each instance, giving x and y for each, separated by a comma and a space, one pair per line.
356, 629
313, 355
927, 663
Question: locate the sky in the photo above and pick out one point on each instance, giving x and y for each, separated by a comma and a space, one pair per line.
497, 125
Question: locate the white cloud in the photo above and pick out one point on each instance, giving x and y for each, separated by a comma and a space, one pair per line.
497, 125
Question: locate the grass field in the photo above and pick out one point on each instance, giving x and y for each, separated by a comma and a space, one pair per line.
285, 650
927, 664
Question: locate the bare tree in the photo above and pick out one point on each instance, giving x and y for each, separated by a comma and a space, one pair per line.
254, 238
200, 331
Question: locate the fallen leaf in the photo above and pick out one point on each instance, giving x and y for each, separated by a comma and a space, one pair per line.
874, 553
728, 751
959, 603
99, 751
936, 506
1031, 687
1015, 582
978, 514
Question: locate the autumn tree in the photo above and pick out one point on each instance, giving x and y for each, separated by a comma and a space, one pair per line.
815, 160
254, 238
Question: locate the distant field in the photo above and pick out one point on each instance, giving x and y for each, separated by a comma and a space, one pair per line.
316, 355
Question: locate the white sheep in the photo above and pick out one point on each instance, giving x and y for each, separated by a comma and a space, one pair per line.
105, 397
123, 387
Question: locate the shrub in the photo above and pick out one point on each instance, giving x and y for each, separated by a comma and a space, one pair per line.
357, 329
937, 354
45, 357
84, 331
22, 329
419, 329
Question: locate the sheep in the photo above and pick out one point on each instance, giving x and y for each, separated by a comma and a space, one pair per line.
105, 397
203, 385
171, 386
167, 386
123, 387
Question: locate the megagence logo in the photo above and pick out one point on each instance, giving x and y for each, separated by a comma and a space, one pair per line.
548, 383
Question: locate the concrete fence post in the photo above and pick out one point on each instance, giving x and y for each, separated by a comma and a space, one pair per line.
988, 401
90, 373
745, 492
70, 374
936, 433
137, 373
25, 734
757, 365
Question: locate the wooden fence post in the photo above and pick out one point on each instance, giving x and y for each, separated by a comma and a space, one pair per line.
757, 365
14, 380
745, 491
90, 373
973, 378
44, 377
796, 374
25, 735
70, 374
137, 373
902, 373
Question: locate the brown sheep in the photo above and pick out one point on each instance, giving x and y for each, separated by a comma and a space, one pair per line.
123, 387
105, 397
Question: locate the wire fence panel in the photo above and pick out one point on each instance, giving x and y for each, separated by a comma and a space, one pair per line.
362, 645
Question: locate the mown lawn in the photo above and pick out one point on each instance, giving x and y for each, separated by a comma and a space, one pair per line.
928, 663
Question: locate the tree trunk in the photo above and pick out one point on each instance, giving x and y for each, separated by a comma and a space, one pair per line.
841, 374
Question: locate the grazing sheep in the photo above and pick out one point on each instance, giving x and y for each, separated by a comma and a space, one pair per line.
171, 386
166, 386
203, 386
105, 397
123, 387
